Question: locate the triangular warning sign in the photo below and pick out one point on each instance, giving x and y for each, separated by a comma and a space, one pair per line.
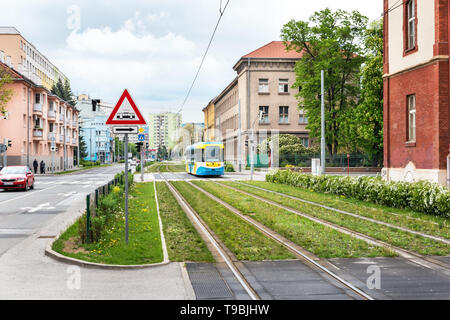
125, 112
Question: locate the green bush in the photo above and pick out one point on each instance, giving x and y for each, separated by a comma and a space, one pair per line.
422, 196
229, 167
109, 206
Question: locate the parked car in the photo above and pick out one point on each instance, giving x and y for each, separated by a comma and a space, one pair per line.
131, 162
16, 177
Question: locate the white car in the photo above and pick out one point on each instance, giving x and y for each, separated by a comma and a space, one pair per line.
132, 162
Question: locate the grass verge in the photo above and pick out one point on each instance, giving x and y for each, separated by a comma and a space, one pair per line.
82, 169
244, 240
425, 223
316, 238
389, 235
144, 238
182, 240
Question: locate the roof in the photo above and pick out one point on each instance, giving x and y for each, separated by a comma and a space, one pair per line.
8, 30
274, 50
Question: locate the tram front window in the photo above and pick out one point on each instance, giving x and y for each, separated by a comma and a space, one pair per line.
214, 154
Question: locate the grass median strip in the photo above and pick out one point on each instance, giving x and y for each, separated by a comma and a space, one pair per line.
177, 168
316, 238
429, 224
183, 241
387, 234
244, 240
144, 245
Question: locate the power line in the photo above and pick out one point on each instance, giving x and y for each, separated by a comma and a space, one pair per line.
222, 11
393, 7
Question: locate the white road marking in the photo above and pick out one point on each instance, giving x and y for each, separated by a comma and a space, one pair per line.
43, 206
16, 231
68, 194
28, 194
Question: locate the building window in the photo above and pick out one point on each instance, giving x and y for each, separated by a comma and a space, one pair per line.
283, 86
264, 85
305, 142
412, 118
38, 98
284, 114
411, 24
265, 114
302, 118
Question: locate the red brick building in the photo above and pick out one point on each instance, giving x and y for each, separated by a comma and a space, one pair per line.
416, 90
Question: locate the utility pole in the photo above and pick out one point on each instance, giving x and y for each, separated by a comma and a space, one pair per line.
239, 149
322, 140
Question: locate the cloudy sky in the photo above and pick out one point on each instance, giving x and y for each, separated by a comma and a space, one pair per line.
153, 47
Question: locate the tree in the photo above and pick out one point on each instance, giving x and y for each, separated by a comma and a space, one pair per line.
367, 126
63, 91
5, 92
289, 146
82, 146
162, 153
330, 41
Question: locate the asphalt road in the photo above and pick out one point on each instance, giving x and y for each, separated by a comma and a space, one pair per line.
21, 213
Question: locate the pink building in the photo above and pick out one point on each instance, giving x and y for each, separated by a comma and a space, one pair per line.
36, 119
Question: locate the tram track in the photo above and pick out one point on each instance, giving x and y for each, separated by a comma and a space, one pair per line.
220, 249
414, 257
304, 256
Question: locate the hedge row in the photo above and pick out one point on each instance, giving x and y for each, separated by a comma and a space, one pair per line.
422, 196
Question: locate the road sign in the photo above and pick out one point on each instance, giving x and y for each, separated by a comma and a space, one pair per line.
53, 148
141, 137
2, 148
141, 130
125, 112
125, 129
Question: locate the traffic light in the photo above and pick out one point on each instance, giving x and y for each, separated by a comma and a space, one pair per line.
8, 143
138, 146
94, 104
246, 143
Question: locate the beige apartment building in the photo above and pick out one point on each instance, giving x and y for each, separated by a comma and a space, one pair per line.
263, 83
23, 56
36, 120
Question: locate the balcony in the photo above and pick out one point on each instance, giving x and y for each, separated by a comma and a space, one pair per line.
74, 141
51, 115
37, 108
74, 123
61, 138
67, 139
61, 117
37, 134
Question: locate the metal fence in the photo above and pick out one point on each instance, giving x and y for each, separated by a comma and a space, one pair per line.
93, 198
299, 160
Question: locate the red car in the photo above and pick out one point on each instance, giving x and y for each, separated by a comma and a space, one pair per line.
16, 177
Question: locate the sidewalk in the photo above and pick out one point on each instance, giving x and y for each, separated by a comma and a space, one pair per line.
26, 273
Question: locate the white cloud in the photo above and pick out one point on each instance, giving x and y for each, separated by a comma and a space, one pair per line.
154, 47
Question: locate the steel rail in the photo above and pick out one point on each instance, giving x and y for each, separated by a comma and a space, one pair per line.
446, 241
409, 255
275, 236
229, 262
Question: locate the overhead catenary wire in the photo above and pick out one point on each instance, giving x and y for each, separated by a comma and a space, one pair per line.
392, 8
222, 11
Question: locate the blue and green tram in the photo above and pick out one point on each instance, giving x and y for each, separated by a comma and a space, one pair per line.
205, 159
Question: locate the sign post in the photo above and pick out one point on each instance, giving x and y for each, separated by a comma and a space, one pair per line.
125, 147
126, 116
